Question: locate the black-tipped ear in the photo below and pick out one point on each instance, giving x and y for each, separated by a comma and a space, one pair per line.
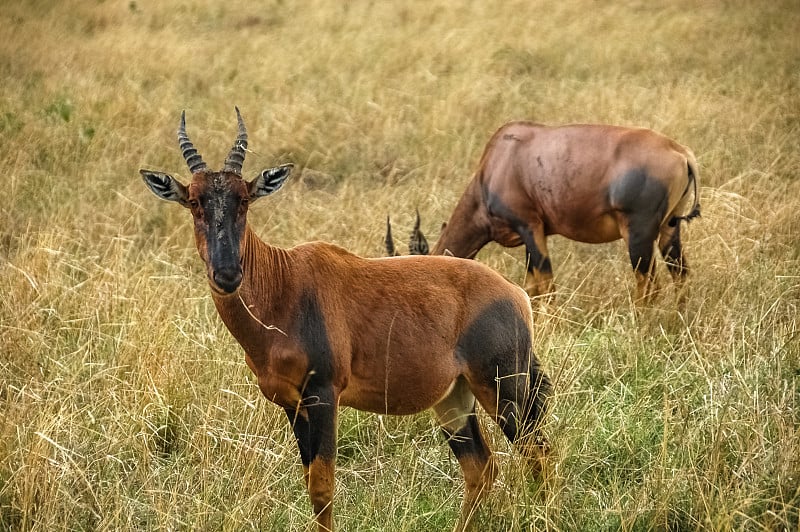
269, 180
166, 187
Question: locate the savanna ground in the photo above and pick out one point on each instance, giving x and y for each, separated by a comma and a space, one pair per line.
126, 405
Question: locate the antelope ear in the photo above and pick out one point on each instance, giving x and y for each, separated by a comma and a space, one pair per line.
269, 180
166, 187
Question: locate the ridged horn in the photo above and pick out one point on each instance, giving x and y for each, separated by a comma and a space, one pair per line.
389, 241
235, 158
193, 159
417, 243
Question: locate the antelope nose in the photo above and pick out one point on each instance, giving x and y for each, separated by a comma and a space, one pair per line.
228, 279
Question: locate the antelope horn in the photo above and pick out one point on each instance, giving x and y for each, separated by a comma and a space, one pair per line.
416, 224
235, 158
389, 241
193, 159
417, 243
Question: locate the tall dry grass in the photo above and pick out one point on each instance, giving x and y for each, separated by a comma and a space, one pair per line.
126, 405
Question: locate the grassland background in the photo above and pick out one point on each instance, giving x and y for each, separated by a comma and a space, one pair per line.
126, 405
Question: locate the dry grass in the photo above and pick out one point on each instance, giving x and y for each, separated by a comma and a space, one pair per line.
125, 404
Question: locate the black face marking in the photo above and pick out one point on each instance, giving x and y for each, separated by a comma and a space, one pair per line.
223, 227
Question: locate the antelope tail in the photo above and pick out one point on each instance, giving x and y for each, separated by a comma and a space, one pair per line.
691, 169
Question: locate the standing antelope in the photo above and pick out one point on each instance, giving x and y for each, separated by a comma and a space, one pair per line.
589, 183
322, 327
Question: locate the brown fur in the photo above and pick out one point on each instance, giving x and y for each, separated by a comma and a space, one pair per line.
392, 346
321, 327
589, 183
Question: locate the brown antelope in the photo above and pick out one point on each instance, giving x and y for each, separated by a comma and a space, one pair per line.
589, 183
322, 327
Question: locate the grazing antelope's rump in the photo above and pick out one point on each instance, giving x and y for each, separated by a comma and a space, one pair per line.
322, 327
589, 183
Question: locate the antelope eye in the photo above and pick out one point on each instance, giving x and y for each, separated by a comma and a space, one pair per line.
194, 203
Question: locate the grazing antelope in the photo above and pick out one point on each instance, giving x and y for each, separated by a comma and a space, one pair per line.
589, 183
322, 327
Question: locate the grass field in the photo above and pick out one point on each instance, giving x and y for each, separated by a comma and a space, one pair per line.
126, 405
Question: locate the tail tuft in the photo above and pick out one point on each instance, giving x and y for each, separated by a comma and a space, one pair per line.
688, 218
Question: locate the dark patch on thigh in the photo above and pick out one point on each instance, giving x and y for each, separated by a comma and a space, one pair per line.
314, 339
636, 193
497, 342
643, 200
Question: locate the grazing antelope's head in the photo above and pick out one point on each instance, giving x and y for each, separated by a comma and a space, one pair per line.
218, 202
